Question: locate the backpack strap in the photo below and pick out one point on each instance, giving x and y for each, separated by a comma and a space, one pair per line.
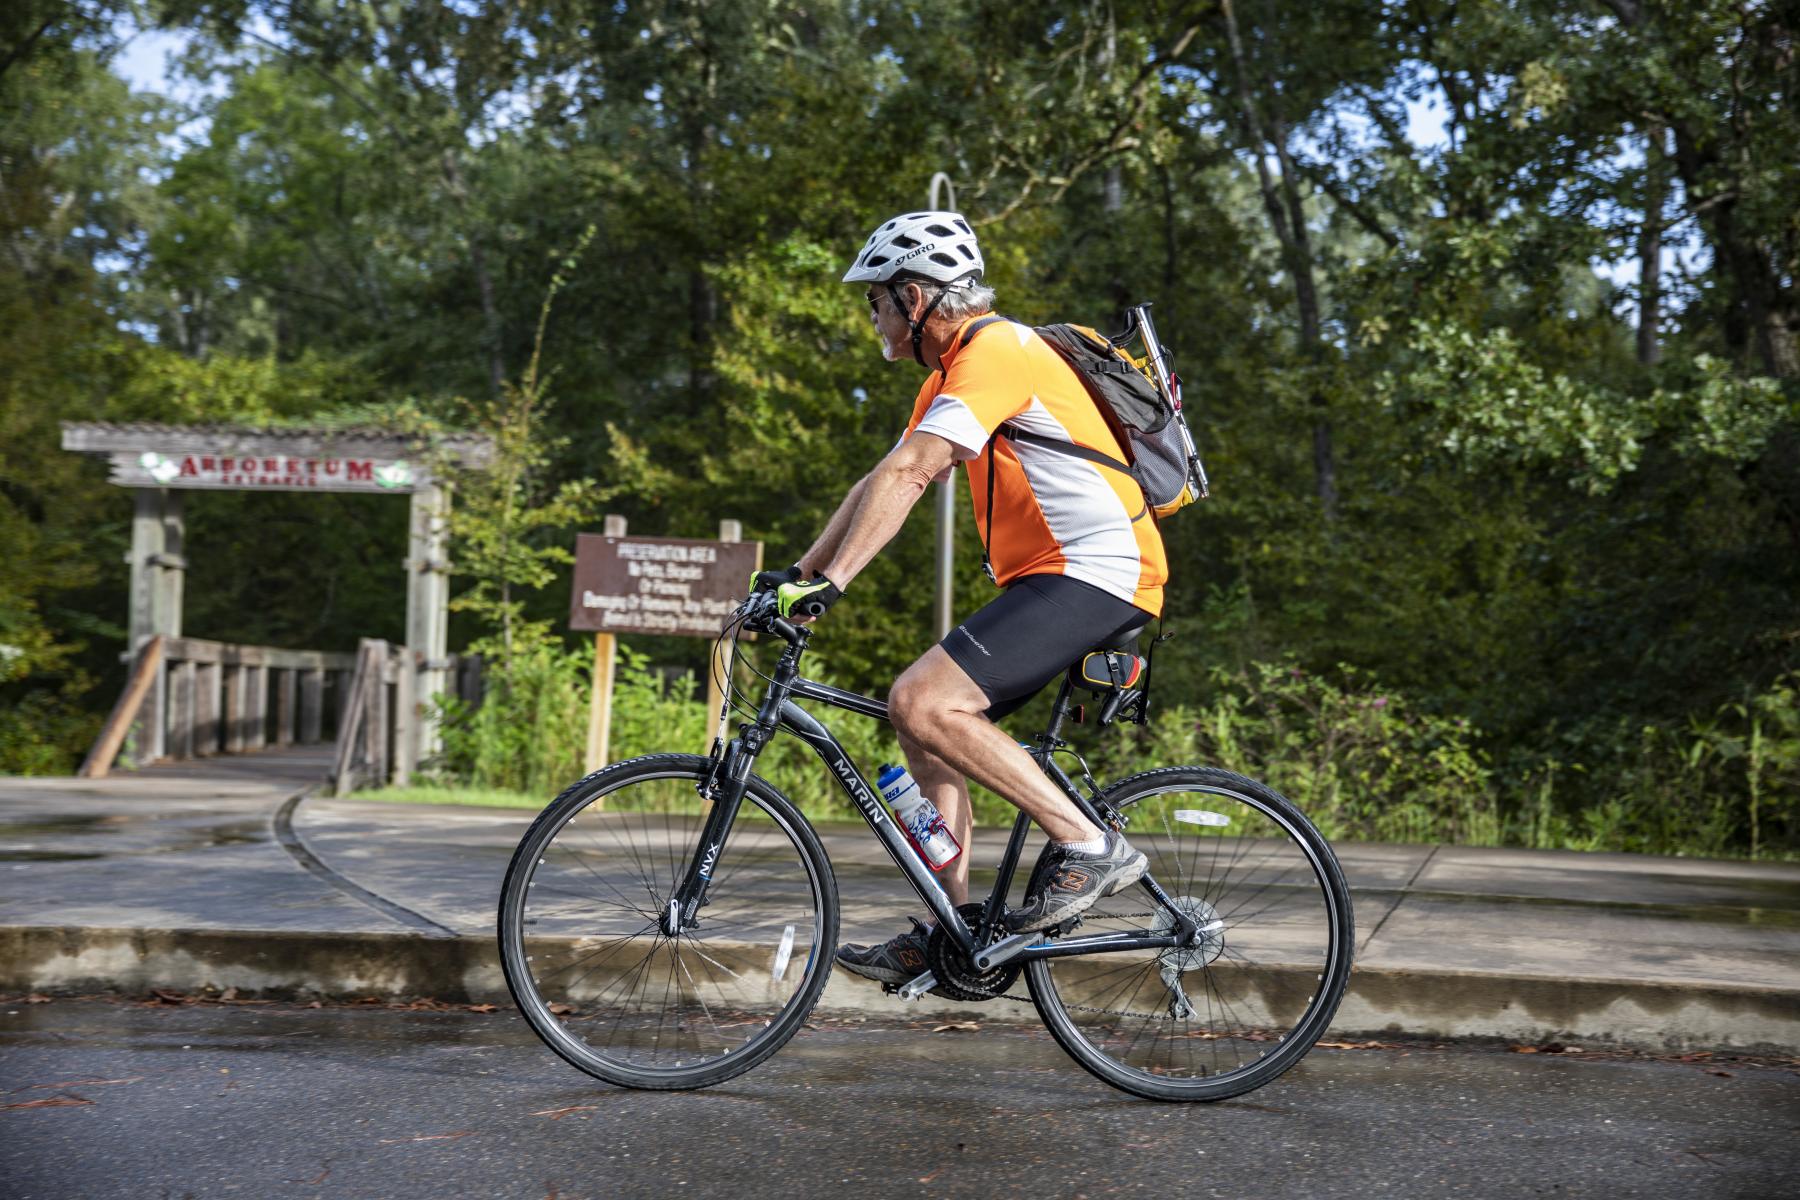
977, 327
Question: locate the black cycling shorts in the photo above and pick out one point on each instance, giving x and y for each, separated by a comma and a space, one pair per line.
1030, 635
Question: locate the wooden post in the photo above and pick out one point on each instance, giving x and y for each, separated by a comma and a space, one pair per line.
428, 611
376, 725
256, 707
286, 690
719, 669
312, 704
406, 716
233, 717
183, 709
600, 700
207, 708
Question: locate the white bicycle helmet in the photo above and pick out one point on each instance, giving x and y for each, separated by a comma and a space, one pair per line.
933, 247
929, 245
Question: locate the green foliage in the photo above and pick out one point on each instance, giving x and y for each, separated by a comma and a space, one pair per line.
1359, 759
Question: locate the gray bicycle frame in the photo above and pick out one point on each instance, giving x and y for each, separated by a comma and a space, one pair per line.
730, 776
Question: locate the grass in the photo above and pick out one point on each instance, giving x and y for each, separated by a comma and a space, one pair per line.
477, 797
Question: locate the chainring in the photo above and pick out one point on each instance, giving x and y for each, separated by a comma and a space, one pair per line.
957, 978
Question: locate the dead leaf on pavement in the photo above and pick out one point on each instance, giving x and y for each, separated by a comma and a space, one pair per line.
958, 1027
168, 997
50, 1102
562, 1010
37, 998
1356, 1045
483, 1008
429, 1137
557, 1114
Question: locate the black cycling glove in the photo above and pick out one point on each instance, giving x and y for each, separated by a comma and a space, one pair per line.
768, 581
807, 599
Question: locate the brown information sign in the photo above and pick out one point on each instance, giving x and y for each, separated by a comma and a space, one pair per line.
678, 586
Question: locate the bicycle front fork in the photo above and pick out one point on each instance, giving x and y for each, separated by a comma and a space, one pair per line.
724, 785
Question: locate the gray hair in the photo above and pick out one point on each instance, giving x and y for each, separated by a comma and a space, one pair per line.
970, 299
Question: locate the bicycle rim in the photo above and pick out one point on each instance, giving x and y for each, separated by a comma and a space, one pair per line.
594, 973
1220, 1018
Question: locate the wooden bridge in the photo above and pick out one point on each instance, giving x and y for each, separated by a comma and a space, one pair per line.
189, 698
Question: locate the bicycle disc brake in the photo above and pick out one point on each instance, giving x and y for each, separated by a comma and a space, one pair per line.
1178, 959
957, 977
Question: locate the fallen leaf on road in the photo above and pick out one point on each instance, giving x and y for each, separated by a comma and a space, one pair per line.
958, 1027
1356, 1045
483, 1008
1523, 1049
557, 1114
51, 1102
37, 998
562, 1010
168, 997
51, 1087
429, 1137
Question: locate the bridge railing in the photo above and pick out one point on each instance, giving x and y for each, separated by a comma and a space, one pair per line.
383, 729
191, 698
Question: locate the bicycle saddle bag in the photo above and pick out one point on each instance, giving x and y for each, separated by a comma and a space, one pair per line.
1107, 670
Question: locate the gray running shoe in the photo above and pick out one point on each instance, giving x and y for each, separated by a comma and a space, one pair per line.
1075, 880
897, 960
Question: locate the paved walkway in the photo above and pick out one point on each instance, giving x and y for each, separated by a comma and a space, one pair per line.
215, 873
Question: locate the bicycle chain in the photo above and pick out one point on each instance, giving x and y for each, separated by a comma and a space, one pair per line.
1085, 1008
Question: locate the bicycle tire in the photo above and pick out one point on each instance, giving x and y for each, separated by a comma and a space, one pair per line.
1267, 990
584, 966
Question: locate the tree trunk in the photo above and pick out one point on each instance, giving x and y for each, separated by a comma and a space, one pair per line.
1656, 192
1287, 216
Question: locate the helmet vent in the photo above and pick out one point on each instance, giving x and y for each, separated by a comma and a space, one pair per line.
874, 260
940, 230
942, 259
906, 243
965, 253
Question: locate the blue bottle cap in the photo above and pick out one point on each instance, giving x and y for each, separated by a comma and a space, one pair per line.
889, 773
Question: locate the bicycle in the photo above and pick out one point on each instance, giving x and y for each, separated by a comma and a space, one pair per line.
669, 921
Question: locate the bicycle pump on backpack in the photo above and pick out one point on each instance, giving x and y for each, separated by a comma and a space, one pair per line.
1170, 385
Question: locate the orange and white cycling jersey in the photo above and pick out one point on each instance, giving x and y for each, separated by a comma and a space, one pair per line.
1054, 513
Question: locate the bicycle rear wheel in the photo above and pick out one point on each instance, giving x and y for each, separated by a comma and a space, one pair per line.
1214, 1020
590, 966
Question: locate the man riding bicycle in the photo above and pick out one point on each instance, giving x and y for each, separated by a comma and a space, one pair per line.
1070, 540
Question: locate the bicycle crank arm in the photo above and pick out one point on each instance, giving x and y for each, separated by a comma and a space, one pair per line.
913, 989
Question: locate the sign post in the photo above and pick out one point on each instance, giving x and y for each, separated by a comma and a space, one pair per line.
676, 586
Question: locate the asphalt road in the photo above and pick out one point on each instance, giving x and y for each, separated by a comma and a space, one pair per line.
106, 1099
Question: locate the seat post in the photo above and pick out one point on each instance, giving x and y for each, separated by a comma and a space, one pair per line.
1059, 711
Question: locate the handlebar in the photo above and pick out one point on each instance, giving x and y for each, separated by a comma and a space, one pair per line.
761, 616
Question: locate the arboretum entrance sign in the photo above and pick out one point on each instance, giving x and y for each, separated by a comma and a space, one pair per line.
161, 462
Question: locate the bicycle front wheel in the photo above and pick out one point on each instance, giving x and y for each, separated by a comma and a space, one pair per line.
587, 960
1228, 1014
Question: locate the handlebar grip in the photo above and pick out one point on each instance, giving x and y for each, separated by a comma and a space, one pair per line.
813, 608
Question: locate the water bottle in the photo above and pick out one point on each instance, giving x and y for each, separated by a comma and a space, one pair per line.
917, 817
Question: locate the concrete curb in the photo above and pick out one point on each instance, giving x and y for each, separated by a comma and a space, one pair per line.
1640, 1014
